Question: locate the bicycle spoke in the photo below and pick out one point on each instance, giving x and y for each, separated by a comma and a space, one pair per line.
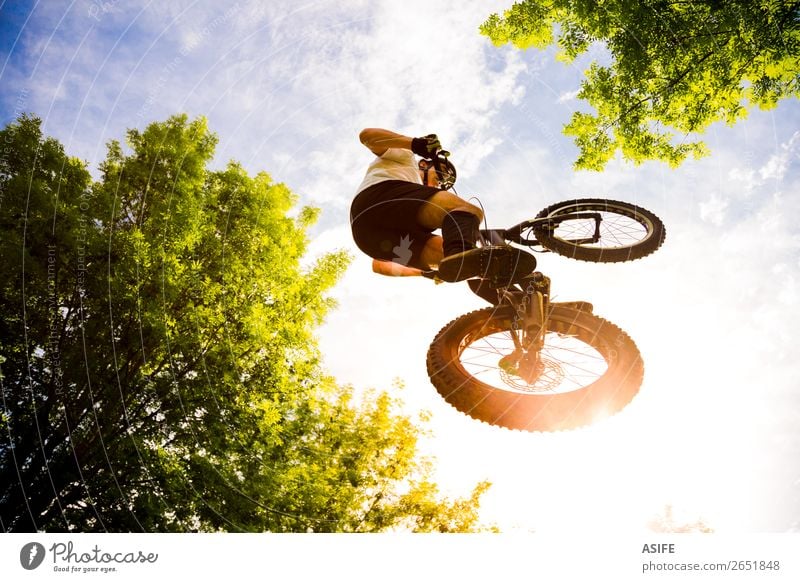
616, 231
567, 363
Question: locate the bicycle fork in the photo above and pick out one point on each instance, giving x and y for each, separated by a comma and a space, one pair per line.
528, 328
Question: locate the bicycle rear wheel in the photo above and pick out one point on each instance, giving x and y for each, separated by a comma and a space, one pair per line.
589, 369
626, 232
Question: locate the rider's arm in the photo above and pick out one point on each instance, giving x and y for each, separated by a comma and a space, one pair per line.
391, 269
380, 140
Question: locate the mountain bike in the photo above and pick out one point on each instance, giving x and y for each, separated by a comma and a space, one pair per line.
529, 363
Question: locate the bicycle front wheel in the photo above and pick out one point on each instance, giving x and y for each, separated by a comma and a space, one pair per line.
625, 231
588, 369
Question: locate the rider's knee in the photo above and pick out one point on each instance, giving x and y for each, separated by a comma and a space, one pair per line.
470, 208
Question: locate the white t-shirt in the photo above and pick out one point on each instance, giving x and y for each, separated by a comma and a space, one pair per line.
394, 164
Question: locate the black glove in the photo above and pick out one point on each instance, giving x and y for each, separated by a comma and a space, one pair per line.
426, 147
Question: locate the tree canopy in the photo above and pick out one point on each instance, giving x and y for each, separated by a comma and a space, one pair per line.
676, 67
158, 368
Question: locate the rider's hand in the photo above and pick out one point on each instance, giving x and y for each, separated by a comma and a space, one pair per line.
426, 147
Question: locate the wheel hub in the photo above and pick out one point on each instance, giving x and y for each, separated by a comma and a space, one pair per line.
528, 373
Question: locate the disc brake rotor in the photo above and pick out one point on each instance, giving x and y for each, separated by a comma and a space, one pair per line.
547, 380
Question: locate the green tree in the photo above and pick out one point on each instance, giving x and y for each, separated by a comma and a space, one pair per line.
354, 467
676, 67
158, 368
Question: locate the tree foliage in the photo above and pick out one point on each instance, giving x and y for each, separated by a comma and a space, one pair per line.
676, 67
158, 368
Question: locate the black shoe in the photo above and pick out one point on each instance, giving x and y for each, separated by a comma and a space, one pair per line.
461, 266
501, 265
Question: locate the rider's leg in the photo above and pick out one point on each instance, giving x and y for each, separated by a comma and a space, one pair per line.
432, 252
459, 231
392, 269
426, 257
458, 219
460, 222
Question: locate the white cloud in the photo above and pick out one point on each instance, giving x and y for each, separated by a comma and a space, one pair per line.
745, 177
401, 72
567, 96
776, 167
713, 210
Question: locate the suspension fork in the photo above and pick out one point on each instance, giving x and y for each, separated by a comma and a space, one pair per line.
529, 325
530, 312
536, 304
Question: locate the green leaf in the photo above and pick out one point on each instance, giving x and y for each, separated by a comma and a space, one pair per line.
676, 68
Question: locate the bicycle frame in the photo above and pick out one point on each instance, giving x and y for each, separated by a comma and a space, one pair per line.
514, 234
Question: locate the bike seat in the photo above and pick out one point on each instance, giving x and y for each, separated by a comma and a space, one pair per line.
501, 265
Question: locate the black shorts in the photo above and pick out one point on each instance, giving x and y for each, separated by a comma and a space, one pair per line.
383, 218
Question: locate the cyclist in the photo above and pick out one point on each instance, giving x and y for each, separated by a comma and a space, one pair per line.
398, 206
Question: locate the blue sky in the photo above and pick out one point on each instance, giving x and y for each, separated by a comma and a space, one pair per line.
287, 86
